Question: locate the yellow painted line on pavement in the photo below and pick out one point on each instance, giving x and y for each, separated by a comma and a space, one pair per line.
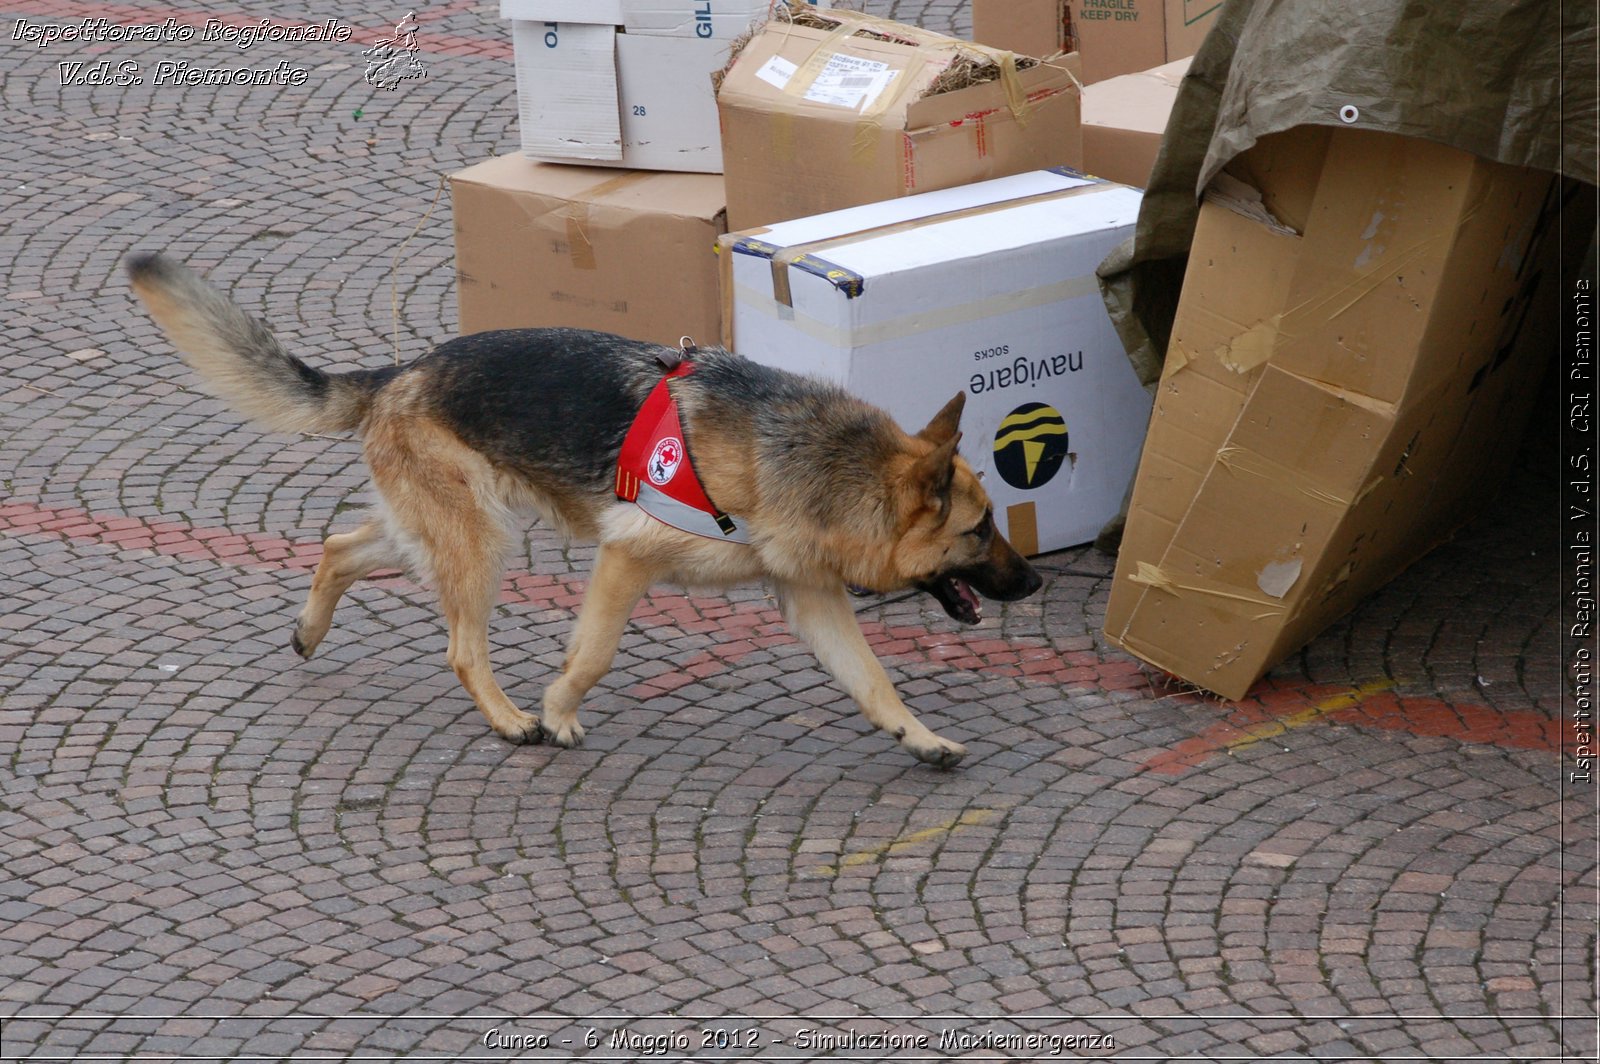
1269, 729
910, 841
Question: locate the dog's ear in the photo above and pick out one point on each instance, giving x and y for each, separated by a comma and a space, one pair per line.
947, 422
935, 472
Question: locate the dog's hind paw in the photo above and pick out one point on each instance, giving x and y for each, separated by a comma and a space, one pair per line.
940, 753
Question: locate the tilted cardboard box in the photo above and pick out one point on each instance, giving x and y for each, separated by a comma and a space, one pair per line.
987, 289
629, 252
1340, 390
815, 119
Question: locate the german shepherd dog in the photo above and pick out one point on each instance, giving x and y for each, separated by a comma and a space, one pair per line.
468, 441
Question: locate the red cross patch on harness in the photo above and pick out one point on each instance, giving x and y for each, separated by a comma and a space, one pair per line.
655, 472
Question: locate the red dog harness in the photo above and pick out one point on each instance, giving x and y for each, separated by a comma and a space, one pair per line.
654, 470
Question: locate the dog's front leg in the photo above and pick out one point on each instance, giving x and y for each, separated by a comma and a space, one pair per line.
618, 582
823, 618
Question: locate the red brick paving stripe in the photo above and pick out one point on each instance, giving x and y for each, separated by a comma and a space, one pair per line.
362, 37
1272, 710
743, 628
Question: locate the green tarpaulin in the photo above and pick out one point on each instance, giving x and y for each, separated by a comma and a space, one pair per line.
1512, 80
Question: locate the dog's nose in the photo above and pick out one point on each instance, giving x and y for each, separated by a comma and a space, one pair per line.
1033, 582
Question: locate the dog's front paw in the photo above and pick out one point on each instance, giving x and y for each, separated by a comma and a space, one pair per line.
940, 753
566, 734
302, 641
519, 728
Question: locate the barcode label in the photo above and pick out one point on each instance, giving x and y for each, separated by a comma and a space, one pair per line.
850, 81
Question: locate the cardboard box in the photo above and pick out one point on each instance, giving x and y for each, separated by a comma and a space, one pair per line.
1027, 27
1339, 393
988, 289
624, 82
1124, 119
629, 252
1126, 36
815, 121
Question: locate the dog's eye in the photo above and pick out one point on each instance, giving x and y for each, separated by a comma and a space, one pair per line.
984, 527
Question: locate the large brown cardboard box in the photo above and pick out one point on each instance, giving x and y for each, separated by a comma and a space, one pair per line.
1125, 36
816, 120
1342, 388
1124, 119
625, 251
1026, 27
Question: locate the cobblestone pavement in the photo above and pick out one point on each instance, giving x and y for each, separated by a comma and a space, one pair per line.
214, 851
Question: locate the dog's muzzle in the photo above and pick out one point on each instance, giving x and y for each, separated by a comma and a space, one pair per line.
958, 592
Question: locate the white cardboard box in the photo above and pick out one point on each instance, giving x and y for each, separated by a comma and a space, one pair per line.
624, 82
988, 289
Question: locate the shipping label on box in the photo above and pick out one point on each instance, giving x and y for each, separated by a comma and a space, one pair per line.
987, 289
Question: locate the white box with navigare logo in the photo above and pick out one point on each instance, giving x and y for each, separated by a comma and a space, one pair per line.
987, 289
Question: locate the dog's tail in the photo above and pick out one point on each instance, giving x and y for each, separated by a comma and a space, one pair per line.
241, 359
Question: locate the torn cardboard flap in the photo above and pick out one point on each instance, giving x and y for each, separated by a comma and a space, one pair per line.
1228, 191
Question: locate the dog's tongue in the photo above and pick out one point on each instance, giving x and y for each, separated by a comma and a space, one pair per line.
968, 597
959, 601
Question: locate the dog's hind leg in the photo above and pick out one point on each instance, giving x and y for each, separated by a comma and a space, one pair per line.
440, 497
822, 617
346, 558
618, 582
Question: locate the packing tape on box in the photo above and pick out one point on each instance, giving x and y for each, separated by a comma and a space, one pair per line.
1152, 576
1238, 461
920, 321
871, 123
576, 216
851, 283
812, 66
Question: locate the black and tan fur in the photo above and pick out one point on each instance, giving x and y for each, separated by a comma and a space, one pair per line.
469, 440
